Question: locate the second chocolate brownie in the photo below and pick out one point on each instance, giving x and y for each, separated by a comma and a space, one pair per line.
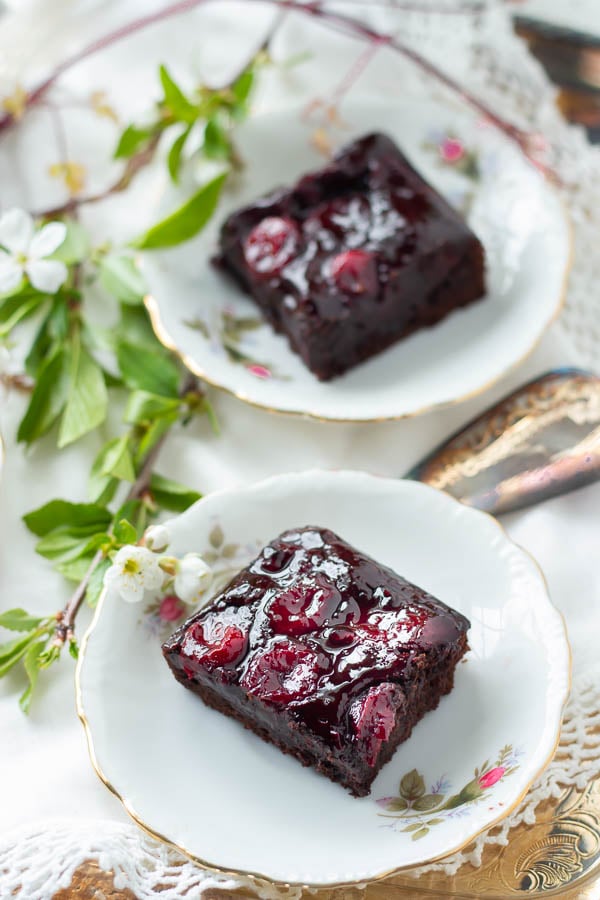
353, 257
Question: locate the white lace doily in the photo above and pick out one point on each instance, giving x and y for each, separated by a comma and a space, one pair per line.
482, 52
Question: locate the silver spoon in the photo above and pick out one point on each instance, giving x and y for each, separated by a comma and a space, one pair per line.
538, 442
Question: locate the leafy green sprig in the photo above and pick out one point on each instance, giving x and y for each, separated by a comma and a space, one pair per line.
74, 367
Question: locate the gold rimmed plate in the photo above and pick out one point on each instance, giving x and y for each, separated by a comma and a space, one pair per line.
518, 216
197, 780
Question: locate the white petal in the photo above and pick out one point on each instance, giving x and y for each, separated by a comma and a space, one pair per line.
16, 230
157, 538
11, 273
46, 275
131, 590
47, 240
193, 578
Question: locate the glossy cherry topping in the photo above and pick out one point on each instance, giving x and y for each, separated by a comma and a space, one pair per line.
324, 630
271, 244
373, 716
215, 642
353, 257
285, 671
355, 272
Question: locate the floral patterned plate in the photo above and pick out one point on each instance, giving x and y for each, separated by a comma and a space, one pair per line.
198, 780
519, 218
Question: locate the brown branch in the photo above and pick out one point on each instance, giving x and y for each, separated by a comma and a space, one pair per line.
133, 166
18, 382
65, 620
335, 19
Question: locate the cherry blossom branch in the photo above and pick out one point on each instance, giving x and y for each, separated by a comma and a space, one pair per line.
337, 20
65, 619
132, 167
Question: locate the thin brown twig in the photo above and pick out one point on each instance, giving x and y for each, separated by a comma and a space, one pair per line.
133, 166
18, 382
332, 18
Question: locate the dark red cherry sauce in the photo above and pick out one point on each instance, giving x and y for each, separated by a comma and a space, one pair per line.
323, 630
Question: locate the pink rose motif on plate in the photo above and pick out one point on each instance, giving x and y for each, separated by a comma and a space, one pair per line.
259, 371
171, 608
489, 779
451, 150
415, 802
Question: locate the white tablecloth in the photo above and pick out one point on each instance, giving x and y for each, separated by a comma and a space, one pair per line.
43, 758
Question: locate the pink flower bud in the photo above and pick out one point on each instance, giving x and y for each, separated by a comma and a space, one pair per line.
259, 371
490, 778
171, 608
451, 150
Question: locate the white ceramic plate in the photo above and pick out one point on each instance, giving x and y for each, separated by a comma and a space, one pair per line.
201, 782
518, 217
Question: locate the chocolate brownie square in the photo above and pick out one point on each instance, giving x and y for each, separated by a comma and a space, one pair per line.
353, 257
322, 651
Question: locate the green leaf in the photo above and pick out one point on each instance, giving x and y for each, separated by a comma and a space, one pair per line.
243, 86
175, 99
96, 582
136, 325
74, 570
412, 785
417, 835
58, 513
76, 245
13, 651
174, 158
427, 802
18, 620
124, 532
208, 409
68, 544
102, 488
148, 369
120, 276
32, 669
131, 140
115, 459
216, 141
51, 334
414, 827
143, 406
17, 309
47, 400
172, 495
185, 222
397, 804
62, 544
87, 401
154, 433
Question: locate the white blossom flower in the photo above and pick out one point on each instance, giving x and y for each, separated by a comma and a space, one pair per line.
193, 578
25, 252
157, 538
134, 574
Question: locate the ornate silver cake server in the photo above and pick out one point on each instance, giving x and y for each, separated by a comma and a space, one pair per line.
540, 441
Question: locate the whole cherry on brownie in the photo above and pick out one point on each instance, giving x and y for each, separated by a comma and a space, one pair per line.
316, 647
355, 272
271, 245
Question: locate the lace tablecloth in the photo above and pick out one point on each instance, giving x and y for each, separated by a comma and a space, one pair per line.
53, 811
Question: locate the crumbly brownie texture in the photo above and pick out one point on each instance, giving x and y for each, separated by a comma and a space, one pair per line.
353, 257
323, 652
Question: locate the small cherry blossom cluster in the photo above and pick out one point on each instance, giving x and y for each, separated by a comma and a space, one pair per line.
143, 572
